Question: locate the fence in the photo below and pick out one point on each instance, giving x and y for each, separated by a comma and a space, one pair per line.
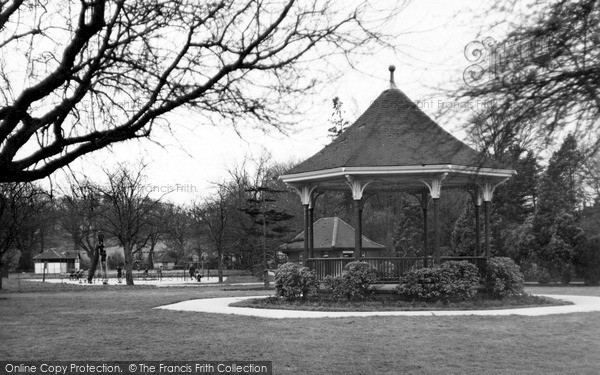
388, 269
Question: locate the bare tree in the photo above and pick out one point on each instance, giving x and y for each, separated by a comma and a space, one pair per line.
80, 214
98, 72
214, 215
127, 213
177, 229
542, 79
34, 232
19, 203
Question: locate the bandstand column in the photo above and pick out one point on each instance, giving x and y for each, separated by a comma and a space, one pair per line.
311, 229
487, 191
436, 231
477, 204
305, 193
425, 208
357, 192
435, 190
358, 229
306, 233
488, 211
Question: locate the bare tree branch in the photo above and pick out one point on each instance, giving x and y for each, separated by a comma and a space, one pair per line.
118, 67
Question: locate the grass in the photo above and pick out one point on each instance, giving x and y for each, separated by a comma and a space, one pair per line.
391, 302
119, 323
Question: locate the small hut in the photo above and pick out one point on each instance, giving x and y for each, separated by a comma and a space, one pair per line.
333, 238
165, 260
57, 261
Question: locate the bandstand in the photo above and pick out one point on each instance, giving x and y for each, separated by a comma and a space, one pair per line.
395, 147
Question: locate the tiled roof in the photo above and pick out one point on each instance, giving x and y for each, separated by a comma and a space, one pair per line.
394, 131
164, 258
57, 254
331, 232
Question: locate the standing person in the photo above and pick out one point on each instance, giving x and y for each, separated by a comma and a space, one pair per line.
192, 272
119, 273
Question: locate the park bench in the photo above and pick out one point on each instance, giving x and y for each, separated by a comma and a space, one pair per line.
143, 275
73, 275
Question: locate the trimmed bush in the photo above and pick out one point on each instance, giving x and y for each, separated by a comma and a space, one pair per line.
503, 277
449, 282
293, 281
355, 283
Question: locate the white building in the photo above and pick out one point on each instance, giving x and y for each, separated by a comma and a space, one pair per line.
57, 261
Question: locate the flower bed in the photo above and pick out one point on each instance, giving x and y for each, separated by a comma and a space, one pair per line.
393, 302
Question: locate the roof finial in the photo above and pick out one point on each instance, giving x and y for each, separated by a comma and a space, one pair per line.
392, 68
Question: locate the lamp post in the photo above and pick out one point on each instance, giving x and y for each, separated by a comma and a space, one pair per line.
102, 253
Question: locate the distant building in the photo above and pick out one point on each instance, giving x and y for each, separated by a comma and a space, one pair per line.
333, 238
164, 260
57, 261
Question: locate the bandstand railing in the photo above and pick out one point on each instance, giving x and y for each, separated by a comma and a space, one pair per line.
389, 270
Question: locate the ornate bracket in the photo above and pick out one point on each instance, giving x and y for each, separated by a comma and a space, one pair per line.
357, 187
486, 190
305, 193
476, 197
435, 189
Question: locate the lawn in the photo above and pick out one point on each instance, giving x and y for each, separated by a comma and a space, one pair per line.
118, 323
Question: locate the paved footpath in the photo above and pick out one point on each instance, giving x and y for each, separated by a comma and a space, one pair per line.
221, 306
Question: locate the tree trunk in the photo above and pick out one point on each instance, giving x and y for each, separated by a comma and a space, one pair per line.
92, 271
26, 259
128, 263
151, 255
1, 271
220, 255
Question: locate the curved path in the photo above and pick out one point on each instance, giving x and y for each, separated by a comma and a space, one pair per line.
221, 306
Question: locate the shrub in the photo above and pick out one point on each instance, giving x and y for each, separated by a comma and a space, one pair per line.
503, 277
355, 283
543, 276
587, 260
535, 272
450, 281
293, 281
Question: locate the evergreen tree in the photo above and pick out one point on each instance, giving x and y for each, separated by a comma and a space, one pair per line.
408, 237
269, 222
560, 187
516, 199
337, 119
555, 225
463, 240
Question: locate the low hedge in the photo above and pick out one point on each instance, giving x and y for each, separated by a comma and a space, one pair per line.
450, 281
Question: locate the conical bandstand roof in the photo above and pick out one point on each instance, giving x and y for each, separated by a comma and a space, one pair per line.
395, 143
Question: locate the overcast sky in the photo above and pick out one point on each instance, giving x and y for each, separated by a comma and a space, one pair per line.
189, 161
